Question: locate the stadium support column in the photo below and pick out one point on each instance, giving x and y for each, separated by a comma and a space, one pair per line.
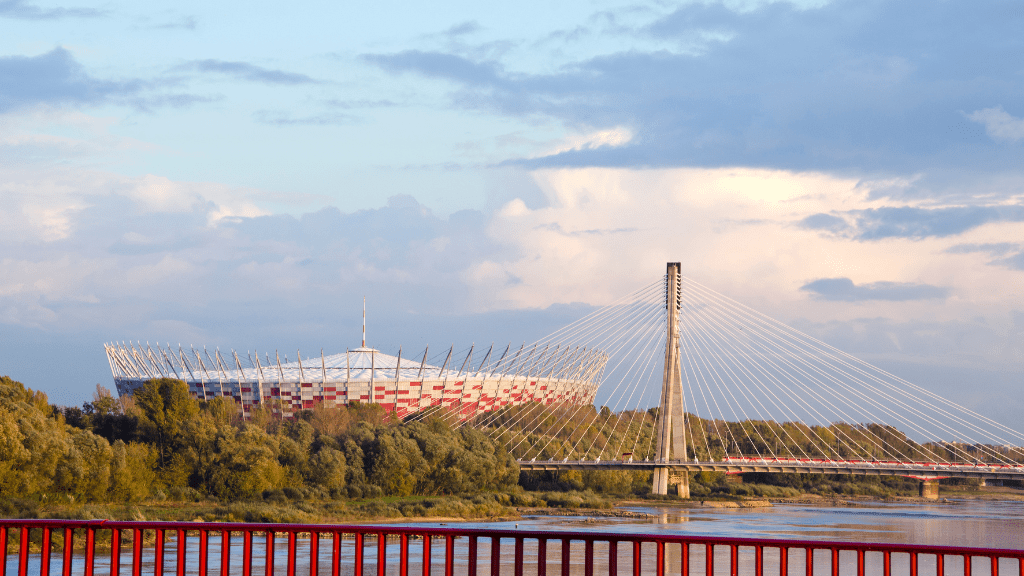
671, 438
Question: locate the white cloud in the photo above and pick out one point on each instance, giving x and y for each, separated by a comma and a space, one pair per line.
39, 205
999, 124
604, 232
612, 137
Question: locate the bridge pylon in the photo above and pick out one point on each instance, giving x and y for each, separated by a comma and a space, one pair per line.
671, 432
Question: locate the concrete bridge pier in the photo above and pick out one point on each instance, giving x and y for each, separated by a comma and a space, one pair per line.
682, 483
660, 481
930, 488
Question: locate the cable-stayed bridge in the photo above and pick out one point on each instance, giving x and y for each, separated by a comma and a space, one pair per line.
697, 381
673, 377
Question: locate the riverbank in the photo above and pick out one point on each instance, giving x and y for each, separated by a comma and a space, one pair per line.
481, 507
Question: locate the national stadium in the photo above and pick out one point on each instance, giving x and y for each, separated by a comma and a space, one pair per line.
461, 386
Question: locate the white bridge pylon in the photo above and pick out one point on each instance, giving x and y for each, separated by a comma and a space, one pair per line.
697, 381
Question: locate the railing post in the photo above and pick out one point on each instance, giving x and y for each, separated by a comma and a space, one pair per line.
269, 553
382, 553
290, 566
3, 550
636, 558
44, 553
518, 561
967, 564
90, 550
734, 559
225, 552
403, 555
495, 556
660, 558
913, 564
784, 561
684, 559
23, 552
566, 556
835, 562
542, 557
136, 552
588, 558
613, 558
709, 559
314, 553
809, 564
247, 553
181, 554
887, 564
449, 555
115, 552
158, 554
860, 562
758, 559
69, 550
472, 561
940, 565
358, 555
995, 565
336, 554
426, 555
204, 538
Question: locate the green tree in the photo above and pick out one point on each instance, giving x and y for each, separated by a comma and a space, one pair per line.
246, 465
164, 406
131, 471
396, 462
327, 469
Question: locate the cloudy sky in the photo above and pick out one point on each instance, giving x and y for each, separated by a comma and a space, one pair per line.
239, 176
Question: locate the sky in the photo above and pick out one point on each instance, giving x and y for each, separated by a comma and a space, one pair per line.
241, 175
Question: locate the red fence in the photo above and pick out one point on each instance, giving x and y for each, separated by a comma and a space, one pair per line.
92, 548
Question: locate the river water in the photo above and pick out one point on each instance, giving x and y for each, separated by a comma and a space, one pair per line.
976, 523
990, 524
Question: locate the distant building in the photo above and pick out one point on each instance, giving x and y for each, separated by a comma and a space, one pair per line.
549, 375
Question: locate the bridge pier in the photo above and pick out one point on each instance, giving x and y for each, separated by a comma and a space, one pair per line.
682, 482
930, 489
665, 477
660, 481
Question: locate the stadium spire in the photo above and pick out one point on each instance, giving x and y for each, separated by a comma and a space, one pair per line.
364, 321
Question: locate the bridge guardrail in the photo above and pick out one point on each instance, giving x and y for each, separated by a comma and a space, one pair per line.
361, 543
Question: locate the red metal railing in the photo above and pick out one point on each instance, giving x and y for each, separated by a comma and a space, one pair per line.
33, 541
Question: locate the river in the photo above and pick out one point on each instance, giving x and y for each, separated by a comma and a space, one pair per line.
978, 523
975, 523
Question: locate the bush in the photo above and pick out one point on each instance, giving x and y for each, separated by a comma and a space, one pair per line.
19, 508
183, 494
574, 499
275, 495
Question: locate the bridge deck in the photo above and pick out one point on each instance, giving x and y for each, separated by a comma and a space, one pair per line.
909, 469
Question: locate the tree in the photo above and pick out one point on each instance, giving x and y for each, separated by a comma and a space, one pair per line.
164, 406
131, 471
327, 468
246, 465
395, 459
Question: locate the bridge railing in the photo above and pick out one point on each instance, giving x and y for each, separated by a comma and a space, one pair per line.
95, 548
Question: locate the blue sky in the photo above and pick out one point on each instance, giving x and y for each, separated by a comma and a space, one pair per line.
241, 175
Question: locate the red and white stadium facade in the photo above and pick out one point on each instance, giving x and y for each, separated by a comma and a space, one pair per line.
366, 375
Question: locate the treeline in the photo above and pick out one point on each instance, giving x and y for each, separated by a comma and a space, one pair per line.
162, 443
